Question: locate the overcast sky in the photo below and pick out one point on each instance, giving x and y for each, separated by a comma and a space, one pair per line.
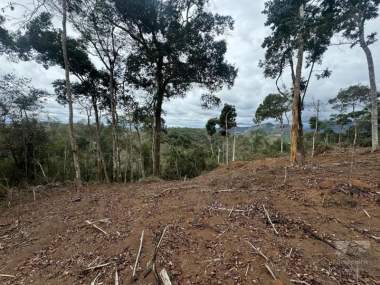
349, 67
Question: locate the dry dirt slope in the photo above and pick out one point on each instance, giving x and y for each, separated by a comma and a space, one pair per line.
320, 219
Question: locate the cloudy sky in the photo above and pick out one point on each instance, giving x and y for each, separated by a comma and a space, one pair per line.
244, 51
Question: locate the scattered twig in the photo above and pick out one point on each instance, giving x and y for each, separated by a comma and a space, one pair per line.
290, 253
270, 271
227, 209
95, 281
285, 175
96, 227
269, 219
138, 256
98, 266
229, 215
258, 251
175, 188
116, 277
299, 282
164, 276
7, 275
152, 262
365, 212
375, 238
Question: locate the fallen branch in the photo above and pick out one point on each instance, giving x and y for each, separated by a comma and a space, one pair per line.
299, 282
98, 266
138, 256
96, 227
95, 281
365, 212
152, 262
229, 210
258, 251
175, 188
269, 219
116, 277
7, 275
165, 277
270, 271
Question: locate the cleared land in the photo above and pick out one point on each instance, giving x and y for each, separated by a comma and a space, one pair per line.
328, 227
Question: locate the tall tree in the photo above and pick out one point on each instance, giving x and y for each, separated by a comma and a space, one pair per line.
73, 143
54, 47
175, 45
354, 15
211, 131
353, 100
92, 19
227, 121
274, 106
300, 34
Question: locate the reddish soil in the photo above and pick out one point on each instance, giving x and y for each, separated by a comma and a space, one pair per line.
324, 233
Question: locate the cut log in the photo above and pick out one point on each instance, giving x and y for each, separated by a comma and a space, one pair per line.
165, 277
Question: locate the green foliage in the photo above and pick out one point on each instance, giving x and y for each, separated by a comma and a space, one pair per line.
274, 106
185, 35
43, 38
186, 155
211, 126
227, 119
315, 29
352, 17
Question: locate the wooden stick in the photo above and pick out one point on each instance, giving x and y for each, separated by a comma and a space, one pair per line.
116, 277
299, 282
226, 209
286, 175
138, 256
270, 271
229, 215
7, 275
95, 281
270, 221
258, 251
96, 227
165, 277
365, 212
151, 263
97, 266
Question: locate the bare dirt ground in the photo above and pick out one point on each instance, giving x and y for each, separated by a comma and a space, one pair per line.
328, 227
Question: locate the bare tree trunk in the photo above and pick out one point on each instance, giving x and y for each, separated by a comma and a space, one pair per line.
73, 143
227, 146
211, 147
115, 147
282, 134
141, 156
98, 144
218, 155
157, 135
234, 148
316, 129
296, 141
373, 90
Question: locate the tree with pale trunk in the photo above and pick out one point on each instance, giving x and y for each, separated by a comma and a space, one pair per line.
353, 17
92, 19
211, 131
300, 34
274, 106
227, 121
353, 100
